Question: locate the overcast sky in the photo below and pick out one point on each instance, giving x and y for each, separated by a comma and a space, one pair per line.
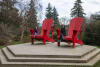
64, 6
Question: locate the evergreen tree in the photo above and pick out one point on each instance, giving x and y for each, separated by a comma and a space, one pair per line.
49, 11
55, 16
96, 16
91, 34
77, 10
31, 15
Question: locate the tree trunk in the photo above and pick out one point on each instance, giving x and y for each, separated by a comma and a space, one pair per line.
22, 35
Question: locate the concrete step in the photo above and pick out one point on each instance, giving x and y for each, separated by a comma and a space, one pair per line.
52, 56
6, 63
10, 57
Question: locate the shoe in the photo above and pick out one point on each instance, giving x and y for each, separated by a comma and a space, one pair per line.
58, 44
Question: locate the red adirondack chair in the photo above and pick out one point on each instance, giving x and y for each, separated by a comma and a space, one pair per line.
46, 29
75, 27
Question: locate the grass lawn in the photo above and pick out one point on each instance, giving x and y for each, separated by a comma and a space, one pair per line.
2, 47
97, 64
15, 42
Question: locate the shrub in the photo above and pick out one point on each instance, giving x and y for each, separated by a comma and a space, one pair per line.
3, 42
91, 34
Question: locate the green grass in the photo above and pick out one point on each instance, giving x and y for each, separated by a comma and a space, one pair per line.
2, 47
97, 64
11, 43
98, 46
15, 42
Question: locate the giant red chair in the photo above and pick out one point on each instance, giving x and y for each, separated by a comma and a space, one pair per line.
46, 29
75, 27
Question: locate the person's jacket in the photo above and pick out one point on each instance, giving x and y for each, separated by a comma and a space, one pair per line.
63, 31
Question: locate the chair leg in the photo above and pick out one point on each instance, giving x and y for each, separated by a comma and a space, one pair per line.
32, 41
58, 44
73, 44
81, 38
44, 42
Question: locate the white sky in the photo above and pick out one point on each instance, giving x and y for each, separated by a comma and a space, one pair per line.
64, 6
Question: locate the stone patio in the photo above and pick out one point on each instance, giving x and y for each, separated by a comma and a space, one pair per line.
49, 55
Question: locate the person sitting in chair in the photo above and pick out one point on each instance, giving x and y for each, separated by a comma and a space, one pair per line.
62, 34
35, 32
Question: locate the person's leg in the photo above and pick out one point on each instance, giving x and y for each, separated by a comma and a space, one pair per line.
35, 35
60, 39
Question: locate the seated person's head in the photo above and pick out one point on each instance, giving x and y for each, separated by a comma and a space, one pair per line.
62, 26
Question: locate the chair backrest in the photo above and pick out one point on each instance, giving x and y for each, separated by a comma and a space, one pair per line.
75, 24
46, 25
31, 31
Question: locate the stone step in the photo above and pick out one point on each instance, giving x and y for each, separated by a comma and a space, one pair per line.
6, 63
53, 56
84, 59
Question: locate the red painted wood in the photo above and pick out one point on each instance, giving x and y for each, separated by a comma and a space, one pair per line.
46, 28
75, 27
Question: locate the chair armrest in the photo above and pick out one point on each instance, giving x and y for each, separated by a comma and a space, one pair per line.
32, 35
31, 31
